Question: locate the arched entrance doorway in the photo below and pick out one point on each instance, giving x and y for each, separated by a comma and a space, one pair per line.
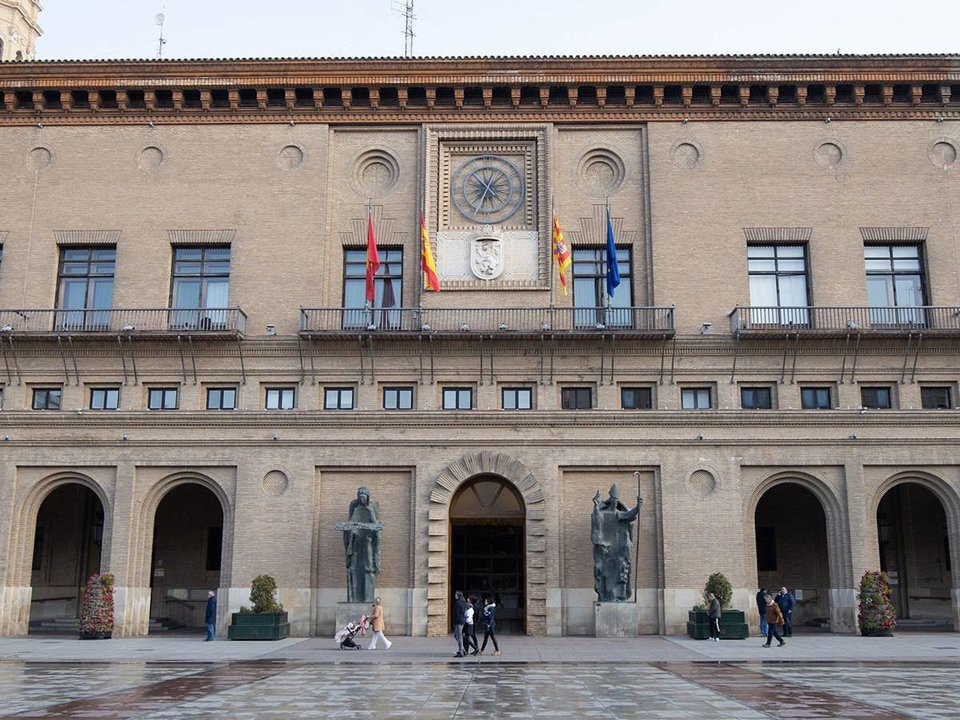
487, 554
187, 555
793, 551
67, 546
915, 553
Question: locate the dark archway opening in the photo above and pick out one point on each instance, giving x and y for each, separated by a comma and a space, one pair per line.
66, 551
187, 552
791, 537
915, 554
487, 554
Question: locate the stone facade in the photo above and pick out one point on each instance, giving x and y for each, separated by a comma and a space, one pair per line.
284, 162
18, 29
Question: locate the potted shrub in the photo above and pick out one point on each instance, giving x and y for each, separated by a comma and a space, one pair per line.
96, 609
876, 617
267, 620
733, 624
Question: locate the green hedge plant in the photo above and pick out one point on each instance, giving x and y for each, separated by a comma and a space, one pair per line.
262, 591
721, 587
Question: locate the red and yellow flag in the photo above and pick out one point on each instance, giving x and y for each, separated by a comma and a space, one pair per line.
561, 253
430, 279
373, 260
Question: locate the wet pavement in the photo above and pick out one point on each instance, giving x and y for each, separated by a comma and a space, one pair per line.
306, 679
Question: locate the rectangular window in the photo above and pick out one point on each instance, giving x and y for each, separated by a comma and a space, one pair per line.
214, 548
387, 285
47, 398
816, 398
876, 397
695, 398
576, 398
756, 398
338, 398
636, 398
936, 397
162, 398
104, 398
896, 290
590, 289
85, 287
398, 398
458, 398
221, 398
778, 284
200, 292
516, 398
280, 398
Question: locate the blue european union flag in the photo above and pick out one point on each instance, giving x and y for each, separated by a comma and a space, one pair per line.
613, 270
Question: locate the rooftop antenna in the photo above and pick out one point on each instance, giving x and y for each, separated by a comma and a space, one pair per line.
159, 20
405, 8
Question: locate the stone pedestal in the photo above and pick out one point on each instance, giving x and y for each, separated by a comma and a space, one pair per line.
615, 620
351, 612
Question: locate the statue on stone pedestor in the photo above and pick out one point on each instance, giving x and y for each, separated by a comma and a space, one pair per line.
611, 527
361, 540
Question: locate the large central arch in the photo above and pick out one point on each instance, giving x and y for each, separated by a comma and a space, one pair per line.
448, 482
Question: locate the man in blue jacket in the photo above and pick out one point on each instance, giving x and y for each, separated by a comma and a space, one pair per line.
787, 603
210, 616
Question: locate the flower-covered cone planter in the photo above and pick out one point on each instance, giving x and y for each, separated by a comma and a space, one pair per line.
877, 617
96, 611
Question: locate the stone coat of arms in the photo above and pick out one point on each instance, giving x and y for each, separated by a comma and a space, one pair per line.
486, 256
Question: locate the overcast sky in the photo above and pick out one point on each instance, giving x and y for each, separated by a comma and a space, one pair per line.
358, 28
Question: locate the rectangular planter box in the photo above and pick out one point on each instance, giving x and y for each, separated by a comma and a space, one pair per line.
733, 625
258, 626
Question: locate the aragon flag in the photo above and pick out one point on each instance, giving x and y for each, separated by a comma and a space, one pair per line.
430, 279
561, 253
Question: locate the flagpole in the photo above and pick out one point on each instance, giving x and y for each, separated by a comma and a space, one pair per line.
553, 257
606, 281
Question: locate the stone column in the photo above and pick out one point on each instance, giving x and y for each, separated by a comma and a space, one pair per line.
131, 593
861, 538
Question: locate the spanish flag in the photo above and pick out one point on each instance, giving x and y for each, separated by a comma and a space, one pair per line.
373, 260
561, 253
430, 279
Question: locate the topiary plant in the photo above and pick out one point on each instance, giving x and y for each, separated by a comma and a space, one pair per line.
261, 595
721, 587
876, 615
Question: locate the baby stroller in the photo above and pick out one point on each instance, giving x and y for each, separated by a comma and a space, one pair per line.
345, 637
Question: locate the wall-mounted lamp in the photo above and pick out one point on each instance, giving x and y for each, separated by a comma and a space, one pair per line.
699, 436
7, 438
705, 328
270, 330
125, 437
828, 120
129, 328
852, 436
276, 437
6, 328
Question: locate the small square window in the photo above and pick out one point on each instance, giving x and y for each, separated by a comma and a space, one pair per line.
516, 398
221, 398
756, 398
695, 398
876, 398
936, 397
47, 398
457, 398
576, 398
163, 398
636, 398
280, 398
104, 398
816, 398
338, 398
398, 398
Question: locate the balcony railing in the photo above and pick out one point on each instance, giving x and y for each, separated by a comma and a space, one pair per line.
637, 321
133, 321
752, 320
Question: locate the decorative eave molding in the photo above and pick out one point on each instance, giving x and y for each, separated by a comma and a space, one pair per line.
201, 237
778, 234
896, 233
86, 237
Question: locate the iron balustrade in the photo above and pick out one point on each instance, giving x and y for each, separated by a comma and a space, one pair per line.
617, 320
156, 321
935, 319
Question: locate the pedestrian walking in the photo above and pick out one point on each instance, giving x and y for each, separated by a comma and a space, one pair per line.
787, 603
469, 627
714, 611
459, 615
210, 615
489, 619
774, 618
762, 609
376, 624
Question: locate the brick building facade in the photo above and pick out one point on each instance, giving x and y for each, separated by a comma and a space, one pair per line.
192, 389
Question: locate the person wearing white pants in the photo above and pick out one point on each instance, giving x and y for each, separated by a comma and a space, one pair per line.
376, 624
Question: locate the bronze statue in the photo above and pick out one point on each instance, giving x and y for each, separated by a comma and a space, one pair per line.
361, 540
611, 529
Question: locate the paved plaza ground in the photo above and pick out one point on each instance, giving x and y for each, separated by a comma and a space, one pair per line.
913, 675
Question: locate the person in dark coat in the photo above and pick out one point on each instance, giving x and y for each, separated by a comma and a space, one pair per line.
210, 616
459, 613
762, 609
489, 619
787, 603
714, 611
